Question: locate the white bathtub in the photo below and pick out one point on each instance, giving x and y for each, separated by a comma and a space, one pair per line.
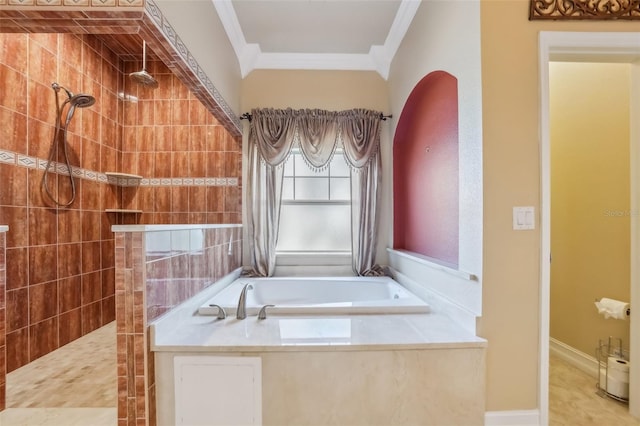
318, 296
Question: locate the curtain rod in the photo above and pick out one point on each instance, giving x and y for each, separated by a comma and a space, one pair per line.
247, 116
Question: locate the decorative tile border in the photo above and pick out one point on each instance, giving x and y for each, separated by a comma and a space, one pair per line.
13, 158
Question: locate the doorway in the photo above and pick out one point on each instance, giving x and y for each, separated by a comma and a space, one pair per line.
585, 47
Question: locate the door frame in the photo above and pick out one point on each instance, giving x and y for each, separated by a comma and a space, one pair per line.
586, 47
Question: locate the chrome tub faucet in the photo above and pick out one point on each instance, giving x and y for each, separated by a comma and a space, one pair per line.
241, 311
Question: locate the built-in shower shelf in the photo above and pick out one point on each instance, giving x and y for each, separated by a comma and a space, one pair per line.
123, 179
123, 211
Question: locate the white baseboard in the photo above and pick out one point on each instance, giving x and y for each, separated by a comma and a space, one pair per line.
578, 359
512, 418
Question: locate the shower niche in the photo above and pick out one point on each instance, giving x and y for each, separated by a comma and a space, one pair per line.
123, 180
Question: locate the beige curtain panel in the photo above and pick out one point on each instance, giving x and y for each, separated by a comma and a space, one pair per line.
318, 133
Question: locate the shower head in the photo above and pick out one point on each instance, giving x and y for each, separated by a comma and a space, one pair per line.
142, 77
82, 100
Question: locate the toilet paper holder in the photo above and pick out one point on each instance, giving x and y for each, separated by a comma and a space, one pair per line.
627, 312
610, 383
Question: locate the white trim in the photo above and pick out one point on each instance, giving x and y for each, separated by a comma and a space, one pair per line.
634, 135
250, 55
512, 418
434, 264
545, 234
581, 47
578, 359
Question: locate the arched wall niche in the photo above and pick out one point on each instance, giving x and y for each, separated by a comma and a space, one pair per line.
425, 170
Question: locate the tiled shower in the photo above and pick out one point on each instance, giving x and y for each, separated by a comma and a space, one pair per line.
60, 261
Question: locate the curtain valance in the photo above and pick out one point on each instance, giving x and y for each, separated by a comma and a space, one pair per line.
318, 133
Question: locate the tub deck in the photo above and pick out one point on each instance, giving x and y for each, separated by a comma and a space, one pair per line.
183, 329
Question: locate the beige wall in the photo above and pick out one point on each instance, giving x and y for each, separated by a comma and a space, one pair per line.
590, 206
512, 178
330, 90
209, 45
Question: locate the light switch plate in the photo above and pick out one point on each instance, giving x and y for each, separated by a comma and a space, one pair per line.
524, 218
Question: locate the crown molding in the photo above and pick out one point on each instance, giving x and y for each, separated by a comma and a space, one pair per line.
379, 58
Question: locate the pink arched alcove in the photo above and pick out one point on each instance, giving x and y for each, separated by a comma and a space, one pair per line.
425, 170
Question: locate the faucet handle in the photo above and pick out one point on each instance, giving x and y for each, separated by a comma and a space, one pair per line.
263, 312
221, 313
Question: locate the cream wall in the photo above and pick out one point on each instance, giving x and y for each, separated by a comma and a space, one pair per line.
590, 205
330, 90
510, 95
209, 45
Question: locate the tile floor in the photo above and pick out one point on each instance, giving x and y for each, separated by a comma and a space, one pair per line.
72, 386
76, 386
573, 400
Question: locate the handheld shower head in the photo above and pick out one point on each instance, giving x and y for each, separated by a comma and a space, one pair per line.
82, 100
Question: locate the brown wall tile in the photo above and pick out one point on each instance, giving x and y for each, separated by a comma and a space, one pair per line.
43, 338
17, 349
17, 271
17, 309
43, 301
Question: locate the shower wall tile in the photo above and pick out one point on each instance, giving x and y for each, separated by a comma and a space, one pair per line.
42, 60
40, 302
70, 294
14, 130
13, 96
45, 243
17, 310
17, 268
69, 326
40, 139
14, 183
13, 52
69, 227
17, 348
43, 338
43, 265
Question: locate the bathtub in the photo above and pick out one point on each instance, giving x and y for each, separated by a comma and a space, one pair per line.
318, 296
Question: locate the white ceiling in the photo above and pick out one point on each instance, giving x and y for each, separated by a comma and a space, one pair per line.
316, 34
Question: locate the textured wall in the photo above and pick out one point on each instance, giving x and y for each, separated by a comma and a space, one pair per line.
425, 170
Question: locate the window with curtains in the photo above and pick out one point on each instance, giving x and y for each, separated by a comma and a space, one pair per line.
313, 136
315, 213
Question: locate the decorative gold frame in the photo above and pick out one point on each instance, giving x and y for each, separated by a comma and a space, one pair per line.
584, 9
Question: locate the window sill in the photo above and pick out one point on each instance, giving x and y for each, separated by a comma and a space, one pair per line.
312, 258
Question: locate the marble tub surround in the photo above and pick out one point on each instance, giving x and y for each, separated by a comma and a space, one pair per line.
401, 369
157, 268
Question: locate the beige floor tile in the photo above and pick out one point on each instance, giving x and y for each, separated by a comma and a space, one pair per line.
59, 417
573, 400
79, 375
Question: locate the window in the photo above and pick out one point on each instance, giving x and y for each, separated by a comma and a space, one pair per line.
315, 214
